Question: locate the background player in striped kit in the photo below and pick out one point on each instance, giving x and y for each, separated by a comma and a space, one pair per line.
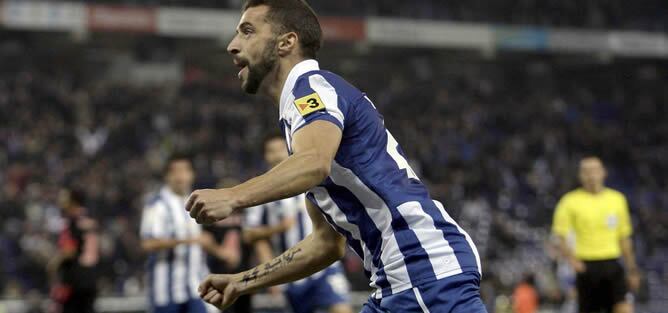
355, 174
175, 244
282, 224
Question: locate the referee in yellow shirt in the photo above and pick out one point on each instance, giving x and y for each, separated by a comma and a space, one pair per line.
599, 218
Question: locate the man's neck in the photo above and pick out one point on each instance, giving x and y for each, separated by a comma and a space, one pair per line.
594, 189
174, 191
276, 80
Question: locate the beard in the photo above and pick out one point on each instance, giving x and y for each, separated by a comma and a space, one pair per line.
257, 72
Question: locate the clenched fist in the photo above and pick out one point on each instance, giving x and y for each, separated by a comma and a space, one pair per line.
219, 290
208, 206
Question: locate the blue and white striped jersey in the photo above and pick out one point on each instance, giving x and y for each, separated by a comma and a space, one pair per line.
174, 274
273, 213
372, 196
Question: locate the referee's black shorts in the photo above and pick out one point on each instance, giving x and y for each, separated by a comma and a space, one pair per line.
601, 286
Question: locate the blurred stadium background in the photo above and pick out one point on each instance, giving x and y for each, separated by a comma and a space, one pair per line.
494, 103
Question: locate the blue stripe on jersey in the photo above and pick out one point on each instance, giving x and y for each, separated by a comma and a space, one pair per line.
285, 128
283, 242
265, 215
315, 116
356, 214
300, 223
150, 267
170, 270
302, 87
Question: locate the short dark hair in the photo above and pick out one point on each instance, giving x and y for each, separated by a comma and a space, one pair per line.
77, 195
176, 157
293, 16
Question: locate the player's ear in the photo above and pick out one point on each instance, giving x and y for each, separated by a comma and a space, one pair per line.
287, 43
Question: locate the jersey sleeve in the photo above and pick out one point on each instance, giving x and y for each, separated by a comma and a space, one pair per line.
154, 224
625, 226
315, 99
255, 216
562, 223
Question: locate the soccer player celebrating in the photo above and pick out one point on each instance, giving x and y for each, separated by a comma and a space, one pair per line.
359, 185
599, 217
176, 244
285, 223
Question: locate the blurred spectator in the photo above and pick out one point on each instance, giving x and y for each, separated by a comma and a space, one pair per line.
525, 296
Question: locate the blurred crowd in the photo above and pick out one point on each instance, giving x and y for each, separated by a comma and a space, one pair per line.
651, 15
497, 141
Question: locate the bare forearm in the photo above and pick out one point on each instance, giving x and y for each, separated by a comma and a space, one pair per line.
628, 255
294, 176
255, 234
300, 261
263, 251
152, 245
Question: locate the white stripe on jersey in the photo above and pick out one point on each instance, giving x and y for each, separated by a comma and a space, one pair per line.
450, 220
392, 258
327, 94
296, 207
392, 150
160, 286
441, 255
197, 270
326, 203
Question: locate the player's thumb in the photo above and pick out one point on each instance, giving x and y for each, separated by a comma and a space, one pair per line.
205, 285
229, 295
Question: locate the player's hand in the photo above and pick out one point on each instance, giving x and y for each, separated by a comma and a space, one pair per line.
208, 206
219, 290
578, 266
633, 279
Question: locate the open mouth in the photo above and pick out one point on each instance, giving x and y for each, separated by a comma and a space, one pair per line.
242, 65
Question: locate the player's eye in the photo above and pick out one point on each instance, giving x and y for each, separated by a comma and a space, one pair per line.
246, 32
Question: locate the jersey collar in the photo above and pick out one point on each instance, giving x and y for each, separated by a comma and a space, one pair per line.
298, 70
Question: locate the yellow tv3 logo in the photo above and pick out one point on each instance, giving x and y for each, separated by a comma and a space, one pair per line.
309, 104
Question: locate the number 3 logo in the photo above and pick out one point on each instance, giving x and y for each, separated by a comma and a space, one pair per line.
313, 103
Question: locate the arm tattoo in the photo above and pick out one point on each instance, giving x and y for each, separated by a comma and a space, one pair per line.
271, 266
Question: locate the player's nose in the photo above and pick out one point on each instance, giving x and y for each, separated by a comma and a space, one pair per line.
233, 47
